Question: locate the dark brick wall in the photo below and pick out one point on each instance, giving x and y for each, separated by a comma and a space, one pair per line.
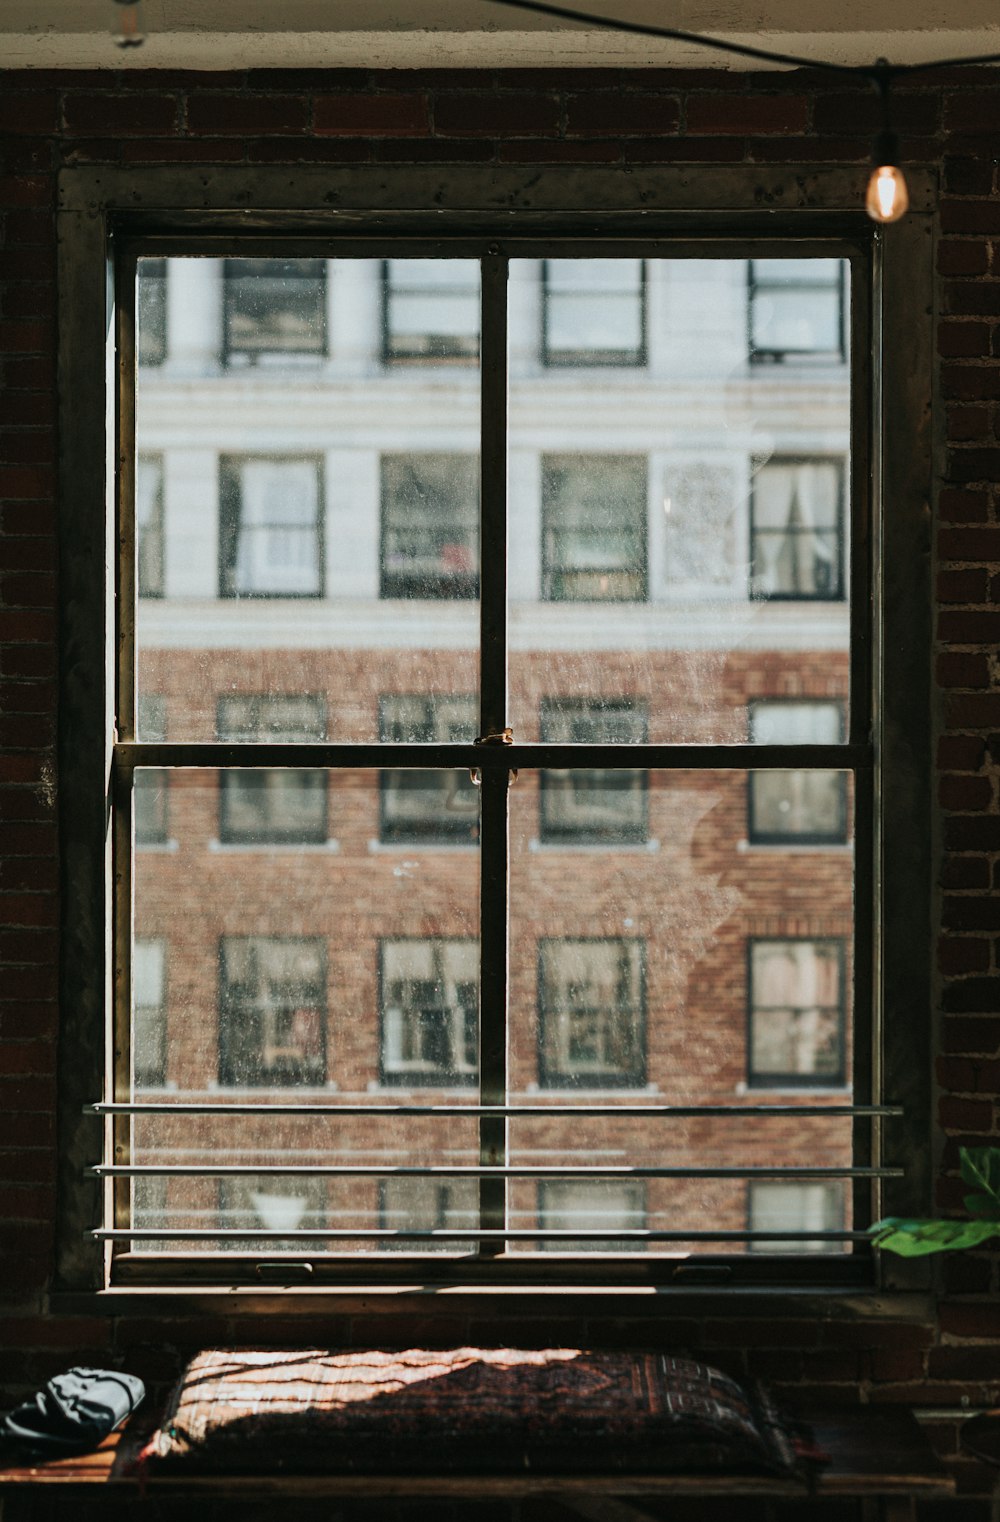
949, 122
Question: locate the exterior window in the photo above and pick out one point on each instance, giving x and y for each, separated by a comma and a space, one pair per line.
591, 1004
796, 1013
775, 1205
274, 308
430, 1012
151, 282
150, 807
149, 1014
257, 807
431, 310
428, 1204
430, 525
585, 1205
797, 530
594, 528
800, 807
149, 525
796, 309
264, 1203
439, 806
272, 1011
593, 807
595, 312
271, 531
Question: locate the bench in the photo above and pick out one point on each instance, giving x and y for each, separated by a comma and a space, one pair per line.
880, 1458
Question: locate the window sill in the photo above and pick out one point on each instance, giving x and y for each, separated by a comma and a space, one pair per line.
620, 847
162, 847
409, 847
832, 847
316, 847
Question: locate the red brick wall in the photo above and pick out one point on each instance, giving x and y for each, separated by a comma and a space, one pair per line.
277, 117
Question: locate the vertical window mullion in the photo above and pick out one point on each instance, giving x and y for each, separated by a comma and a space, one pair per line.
492, 720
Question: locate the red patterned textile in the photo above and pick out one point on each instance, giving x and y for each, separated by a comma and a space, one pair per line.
468, 1410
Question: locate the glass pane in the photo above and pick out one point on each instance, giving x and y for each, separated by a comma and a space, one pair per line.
343, 976
675, 970
688, 497
311, 530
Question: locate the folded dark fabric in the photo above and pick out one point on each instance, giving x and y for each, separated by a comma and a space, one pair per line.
72, 1413
471, 1411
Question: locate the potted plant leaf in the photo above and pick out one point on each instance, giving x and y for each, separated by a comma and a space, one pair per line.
914, 1239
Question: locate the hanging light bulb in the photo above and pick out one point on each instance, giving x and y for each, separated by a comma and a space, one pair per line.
128, 29
887, 199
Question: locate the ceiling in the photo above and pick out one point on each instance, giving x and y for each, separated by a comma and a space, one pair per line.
220, 34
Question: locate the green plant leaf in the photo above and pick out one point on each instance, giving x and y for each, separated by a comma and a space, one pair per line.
916, 1239
983, 1206
981, 1170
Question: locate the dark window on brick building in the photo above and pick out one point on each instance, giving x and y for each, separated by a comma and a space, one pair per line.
595, 312
429, 994
797, 807
591, 1013
592, 1205
796, 1013
594, 528
440, 807
273, 309
430, 525
260, 807
272, 1011
271, 527
599, 806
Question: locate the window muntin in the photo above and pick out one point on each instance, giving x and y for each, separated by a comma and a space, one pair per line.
594, 528
264, 806
595, 312
796, 309
272, 1011
431, 310
149, 1014
796, 1032
430, 525
429, 992
434, 807
271, 528
797, 807
597, 806
273, 309
580, 1205
797, 530
781, 1206
591, 1013
150, 542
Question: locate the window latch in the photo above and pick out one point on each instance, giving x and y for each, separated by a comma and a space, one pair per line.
493, 737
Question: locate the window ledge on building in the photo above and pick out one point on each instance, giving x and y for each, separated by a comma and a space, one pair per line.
428, 847
620, 847
836, 847
776, 1094
317, 847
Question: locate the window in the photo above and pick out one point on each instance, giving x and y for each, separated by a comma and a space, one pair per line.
273, 309
271, 530
594, 528
578, 1205
431, 310
264, 1203
149, 1016
595, 312
796, 1013
430, 1012
430, 525
150, 799
268, 807
797, 530
427, 1204
435, 807
591, 1007
588, 807
272, 1005
801, 807
630, 968
796, 309
796, 1207
151, 281
149, 525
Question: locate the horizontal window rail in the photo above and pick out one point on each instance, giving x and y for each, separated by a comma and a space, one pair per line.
547, 1112
463, 1234
316, 753
468, 1170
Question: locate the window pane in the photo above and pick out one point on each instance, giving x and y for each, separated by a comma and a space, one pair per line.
274, 309
593, 805
796, 1011
591, 1011
150, 808
422, 1204
272, 1018
796, 308
430, 1011
435, 806
797, 529
780, 1206
430, 525
601, 1205
149, 526
432, 309
594, 528
271, 528
149, 1028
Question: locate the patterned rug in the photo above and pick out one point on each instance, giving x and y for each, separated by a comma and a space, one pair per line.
469, 1410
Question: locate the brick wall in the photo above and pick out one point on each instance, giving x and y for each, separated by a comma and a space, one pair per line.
936, 1360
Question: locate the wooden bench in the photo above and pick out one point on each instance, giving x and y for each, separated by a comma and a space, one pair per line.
880, 1458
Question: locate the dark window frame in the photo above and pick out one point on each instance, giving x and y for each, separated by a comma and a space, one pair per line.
417, 1077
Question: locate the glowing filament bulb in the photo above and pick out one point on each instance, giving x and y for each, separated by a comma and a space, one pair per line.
128, 30
887, 199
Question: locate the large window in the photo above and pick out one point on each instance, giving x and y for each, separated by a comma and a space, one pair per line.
662, 1006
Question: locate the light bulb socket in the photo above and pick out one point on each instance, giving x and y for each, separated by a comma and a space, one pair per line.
885, 150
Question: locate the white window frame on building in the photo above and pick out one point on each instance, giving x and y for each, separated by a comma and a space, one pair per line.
150, 216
